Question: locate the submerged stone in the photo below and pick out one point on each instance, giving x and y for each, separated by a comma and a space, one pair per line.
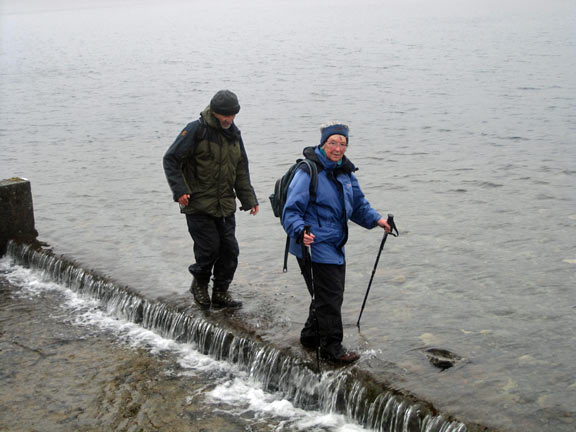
441, 358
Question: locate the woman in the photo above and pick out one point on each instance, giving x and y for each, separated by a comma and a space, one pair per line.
338, 199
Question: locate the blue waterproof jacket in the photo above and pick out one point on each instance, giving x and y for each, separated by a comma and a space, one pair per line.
338, 199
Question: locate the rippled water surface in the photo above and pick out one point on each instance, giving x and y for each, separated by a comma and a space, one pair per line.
462, 119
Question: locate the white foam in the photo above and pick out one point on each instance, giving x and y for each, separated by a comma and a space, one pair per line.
246, 395
88, 312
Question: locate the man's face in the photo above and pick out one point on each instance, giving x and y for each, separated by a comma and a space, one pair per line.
335, 147
225, 120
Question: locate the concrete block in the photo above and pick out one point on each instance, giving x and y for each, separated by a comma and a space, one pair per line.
16, 212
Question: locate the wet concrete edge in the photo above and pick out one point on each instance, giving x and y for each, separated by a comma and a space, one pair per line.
241, 329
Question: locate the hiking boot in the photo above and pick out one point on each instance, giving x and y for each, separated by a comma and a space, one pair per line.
346, 358
343, 356
199, 290
309, 342
220, 296
221, 299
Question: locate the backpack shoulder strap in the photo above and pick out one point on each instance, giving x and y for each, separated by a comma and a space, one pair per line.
201, 131
310, 167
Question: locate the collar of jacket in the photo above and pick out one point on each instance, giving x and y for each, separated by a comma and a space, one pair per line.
314, 154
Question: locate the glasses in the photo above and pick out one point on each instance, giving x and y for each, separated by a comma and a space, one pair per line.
335, 144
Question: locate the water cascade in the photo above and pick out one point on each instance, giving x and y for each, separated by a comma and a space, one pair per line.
344, 391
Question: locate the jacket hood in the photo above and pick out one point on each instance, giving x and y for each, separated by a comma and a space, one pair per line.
323, 162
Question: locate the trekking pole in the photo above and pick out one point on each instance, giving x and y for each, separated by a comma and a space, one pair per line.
312, 290
393, 229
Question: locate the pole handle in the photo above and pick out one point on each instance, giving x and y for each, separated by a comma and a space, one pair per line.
393, 230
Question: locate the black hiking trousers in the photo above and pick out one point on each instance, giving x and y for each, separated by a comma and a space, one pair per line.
215, 248
329, 286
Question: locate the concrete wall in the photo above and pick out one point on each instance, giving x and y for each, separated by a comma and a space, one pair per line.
16, 212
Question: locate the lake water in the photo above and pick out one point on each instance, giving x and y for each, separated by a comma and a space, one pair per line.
462, 117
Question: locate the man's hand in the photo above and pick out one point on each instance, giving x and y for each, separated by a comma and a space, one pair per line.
183, 200
254, 210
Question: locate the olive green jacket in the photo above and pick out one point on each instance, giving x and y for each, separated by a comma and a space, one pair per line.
211, 165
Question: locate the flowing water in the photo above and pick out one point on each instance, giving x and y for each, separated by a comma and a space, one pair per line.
462, 119
245, 376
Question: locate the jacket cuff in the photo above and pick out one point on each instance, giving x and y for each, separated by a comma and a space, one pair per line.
246, 207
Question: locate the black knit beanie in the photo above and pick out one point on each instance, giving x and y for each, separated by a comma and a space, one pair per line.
225, 102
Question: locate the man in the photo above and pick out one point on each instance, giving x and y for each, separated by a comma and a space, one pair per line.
207, 168
338, 199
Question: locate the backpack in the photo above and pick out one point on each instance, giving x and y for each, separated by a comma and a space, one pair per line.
278, 198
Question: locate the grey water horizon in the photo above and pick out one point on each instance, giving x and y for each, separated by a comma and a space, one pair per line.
462, 120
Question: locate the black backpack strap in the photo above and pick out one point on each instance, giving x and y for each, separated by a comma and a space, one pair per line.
201, 131
313, 172
285, 268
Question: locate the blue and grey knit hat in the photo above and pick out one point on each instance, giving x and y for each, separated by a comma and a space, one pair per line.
333, 128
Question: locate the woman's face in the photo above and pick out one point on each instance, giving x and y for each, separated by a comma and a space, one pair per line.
335, 147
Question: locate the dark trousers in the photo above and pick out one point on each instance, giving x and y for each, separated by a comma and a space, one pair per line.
329, 292
215, 248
